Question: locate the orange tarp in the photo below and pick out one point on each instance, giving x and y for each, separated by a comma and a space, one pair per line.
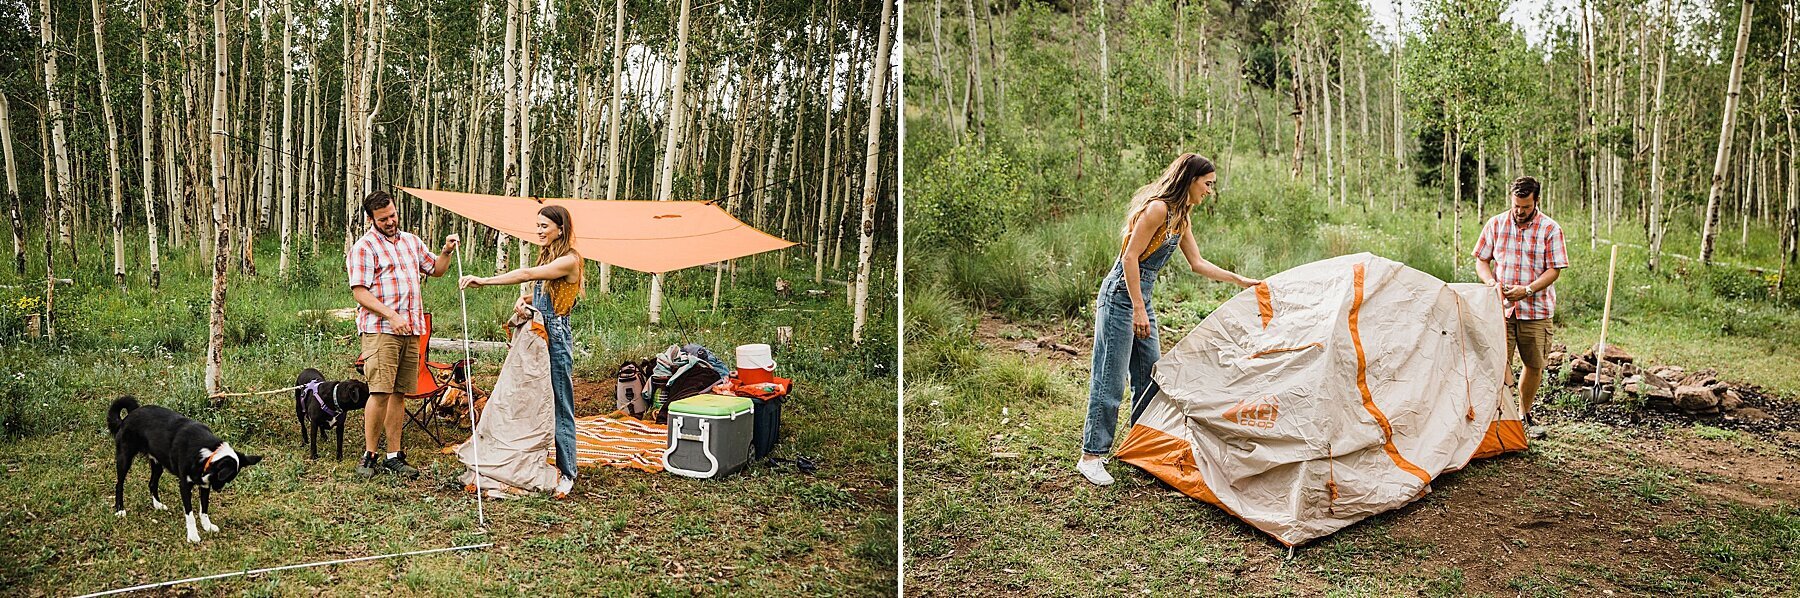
647, 236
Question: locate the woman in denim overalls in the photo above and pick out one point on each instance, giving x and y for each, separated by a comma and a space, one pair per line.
1125, 338
559, 275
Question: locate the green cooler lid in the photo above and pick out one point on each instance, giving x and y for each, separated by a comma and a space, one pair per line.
714, 405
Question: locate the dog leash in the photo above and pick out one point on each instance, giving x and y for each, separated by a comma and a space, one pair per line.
251, 394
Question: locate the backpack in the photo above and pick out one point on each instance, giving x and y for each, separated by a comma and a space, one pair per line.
629, 393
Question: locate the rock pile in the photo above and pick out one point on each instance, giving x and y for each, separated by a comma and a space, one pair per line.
1664, 387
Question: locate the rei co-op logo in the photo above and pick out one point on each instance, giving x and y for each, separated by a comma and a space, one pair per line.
1259, 412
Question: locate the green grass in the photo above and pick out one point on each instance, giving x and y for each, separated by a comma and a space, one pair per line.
766, 531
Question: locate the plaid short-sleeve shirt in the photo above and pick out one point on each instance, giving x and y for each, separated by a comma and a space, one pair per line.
1521, 255
391, 269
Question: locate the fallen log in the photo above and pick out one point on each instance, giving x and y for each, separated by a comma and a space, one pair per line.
456, 345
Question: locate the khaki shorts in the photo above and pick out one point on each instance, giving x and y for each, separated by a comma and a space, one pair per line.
390, 362
1532, 339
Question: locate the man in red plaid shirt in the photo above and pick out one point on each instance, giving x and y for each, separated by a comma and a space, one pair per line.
1522, 252
385, 266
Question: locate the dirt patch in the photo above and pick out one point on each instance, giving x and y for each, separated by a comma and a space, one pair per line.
1041, 342
1500, 519
1727, 471
594, 397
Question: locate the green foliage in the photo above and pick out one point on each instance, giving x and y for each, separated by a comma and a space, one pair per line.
17, 310
931, 312
1458, 76
966, 200
1735, 283
305, 270
1711, 433
36, 401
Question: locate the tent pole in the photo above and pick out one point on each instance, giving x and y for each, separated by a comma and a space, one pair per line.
718, 279
469, 381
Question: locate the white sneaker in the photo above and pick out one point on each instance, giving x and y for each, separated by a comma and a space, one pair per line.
1094, 470
563, 486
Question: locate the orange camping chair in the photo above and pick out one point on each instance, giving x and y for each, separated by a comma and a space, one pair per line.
437, 381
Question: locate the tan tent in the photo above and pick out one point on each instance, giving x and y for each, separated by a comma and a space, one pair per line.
511, 446
1331, 392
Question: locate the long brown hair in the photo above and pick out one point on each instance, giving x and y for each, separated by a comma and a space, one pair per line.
563, 244
1171, 187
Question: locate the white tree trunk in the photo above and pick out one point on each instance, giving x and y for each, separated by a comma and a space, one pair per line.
937, 61
312, 188
265, 147
1592, 97
49, 225
370, 94
147, 146
878, 76
825, 163
59, 143
509, 130
347, 161
215, 340
287, 133
114, 187
613, 117
672, 144
1722, 160
13, 209
1105, 59
1329, 122
528, 72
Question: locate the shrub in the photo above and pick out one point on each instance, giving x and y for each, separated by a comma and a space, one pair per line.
931, 313
966, 200
1735, 283
36, 401
303, 272
16, 312
997, 276
245, 328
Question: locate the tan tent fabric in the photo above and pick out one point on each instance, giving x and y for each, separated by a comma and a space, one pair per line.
514, 433
647, 236
1334, 391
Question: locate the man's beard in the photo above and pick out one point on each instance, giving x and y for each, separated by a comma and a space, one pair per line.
1526, 220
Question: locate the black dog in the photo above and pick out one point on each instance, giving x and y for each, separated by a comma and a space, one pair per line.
321, 405
186, 447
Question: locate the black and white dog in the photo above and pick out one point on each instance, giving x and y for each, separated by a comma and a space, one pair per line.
184, 446
321, 404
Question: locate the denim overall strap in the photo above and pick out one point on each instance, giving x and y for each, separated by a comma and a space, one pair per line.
562, 386
1120, 358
